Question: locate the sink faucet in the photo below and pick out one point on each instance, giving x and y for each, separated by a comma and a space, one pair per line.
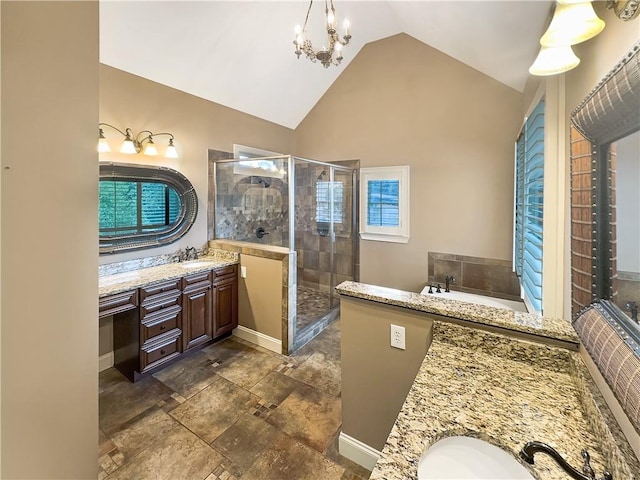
531, 448
449, 280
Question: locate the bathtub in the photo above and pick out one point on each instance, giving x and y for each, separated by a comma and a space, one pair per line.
478, 299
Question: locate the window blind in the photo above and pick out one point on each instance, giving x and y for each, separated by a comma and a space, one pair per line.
383, 203
323, 202
529, 215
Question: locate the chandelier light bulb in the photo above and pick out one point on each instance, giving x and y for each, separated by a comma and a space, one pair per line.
298, 30
300, 39
346, 26
331, 18
338, 47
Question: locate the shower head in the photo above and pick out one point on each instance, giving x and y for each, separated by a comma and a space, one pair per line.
263, 182
322, 174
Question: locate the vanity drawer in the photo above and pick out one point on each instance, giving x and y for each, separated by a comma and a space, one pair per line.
159, 303
159, 289
117, 303
197, 280
162, 350
224, 273
157, 324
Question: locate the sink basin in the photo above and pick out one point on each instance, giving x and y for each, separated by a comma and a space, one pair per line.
194, 264
469, 458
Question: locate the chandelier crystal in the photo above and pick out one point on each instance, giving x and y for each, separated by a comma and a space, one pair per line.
335, 44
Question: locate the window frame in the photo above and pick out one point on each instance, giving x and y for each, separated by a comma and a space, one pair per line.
243, 154
118, 243
399, 234
528, 252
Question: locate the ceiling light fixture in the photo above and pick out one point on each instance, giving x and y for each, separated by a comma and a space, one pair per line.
574, 21
133, 144
325, 56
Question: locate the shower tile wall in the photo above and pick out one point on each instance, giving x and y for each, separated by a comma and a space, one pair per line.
242, 204
313, 244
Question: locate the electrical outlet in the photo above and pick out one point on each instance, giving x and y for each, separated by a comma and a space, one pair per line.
397, 337
243, 271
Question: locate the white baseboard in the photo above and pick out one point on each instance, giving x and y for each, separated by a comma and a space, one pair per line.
258, 338
105, 361
358, 452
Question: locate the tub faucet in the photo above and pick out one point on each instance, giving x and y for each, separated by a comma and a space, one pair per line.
531, 448
449, 280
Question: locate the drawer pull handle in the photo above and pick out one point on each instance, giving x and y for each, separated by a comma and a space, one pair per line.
163, 351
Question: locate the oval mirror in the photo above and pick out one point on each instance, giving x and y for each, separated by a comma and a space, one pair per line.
143, 206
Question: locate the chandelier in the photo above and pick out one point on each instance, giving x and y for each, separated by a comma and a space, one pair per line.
325, 55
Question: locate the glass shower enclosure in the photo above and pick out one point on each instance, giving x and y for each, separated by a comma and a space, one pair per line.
304, 205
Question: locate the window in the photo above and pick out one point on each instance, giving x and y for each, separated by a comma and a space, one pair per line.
143, 207
529, 183
384, 203
276, 168
128, 207
323, 201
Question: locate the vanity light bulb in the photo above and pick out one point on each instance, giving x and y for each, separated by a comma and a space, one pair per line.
171, 150
128, 147
103, 146
151, 149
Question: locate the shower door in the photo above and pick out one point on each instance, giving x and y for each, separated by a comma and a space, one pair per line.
324, 241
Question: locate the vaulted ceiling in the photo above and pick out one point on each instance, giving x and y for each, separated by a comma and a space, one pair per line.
240, 53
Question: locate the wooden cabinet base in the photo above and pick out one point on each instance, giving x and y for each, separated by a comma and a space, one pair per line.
131, 372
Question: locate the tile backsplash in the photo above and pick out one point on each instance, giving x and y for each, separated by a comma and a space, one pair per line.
479, 275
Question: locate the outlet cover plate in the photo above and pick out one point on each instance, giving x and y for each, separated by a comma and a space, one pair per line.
397, 337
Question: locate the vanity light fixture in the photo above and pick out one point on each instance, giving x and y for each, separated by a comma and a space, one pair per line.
554, 60
133, 144
325, 55
574, 21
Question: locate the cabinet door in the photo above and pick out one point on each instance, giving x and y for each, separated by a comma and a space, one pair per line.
197, 324
225, 306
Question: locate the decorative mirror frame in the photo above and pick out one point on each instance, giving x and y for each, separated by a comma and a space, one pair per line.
610, 112
137, 173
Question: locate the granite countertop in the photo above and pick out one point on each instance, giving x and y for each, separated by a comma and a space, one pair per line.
505, 391
552, 328
121, 282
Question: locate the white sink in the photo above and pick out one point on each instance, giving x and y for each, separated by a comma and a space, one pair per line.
469, 458
194, 264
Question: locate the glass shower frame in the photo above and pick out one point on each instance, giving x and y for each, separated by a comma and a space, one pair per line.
302, 335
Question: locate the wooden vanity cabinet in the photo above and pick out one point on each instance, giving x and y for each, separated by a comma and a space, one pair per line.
225, 300
160, 324
155, 324
197, 324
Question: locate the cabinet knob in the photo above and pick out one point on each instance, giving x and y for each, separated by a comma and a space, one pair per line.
162, 327
163, 351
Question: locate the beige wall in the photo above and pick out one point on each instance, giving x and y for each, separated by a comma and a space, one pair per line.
401, 102
127, 100
376, 377
49, 240
260, 296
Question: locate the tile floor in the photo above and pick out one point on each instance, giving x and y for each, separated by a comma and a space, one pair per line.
312, 304
230, 411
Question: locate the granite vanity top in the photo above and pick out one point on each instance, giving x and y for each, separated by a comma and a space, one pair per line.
553, 328
508, 392
121, 282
